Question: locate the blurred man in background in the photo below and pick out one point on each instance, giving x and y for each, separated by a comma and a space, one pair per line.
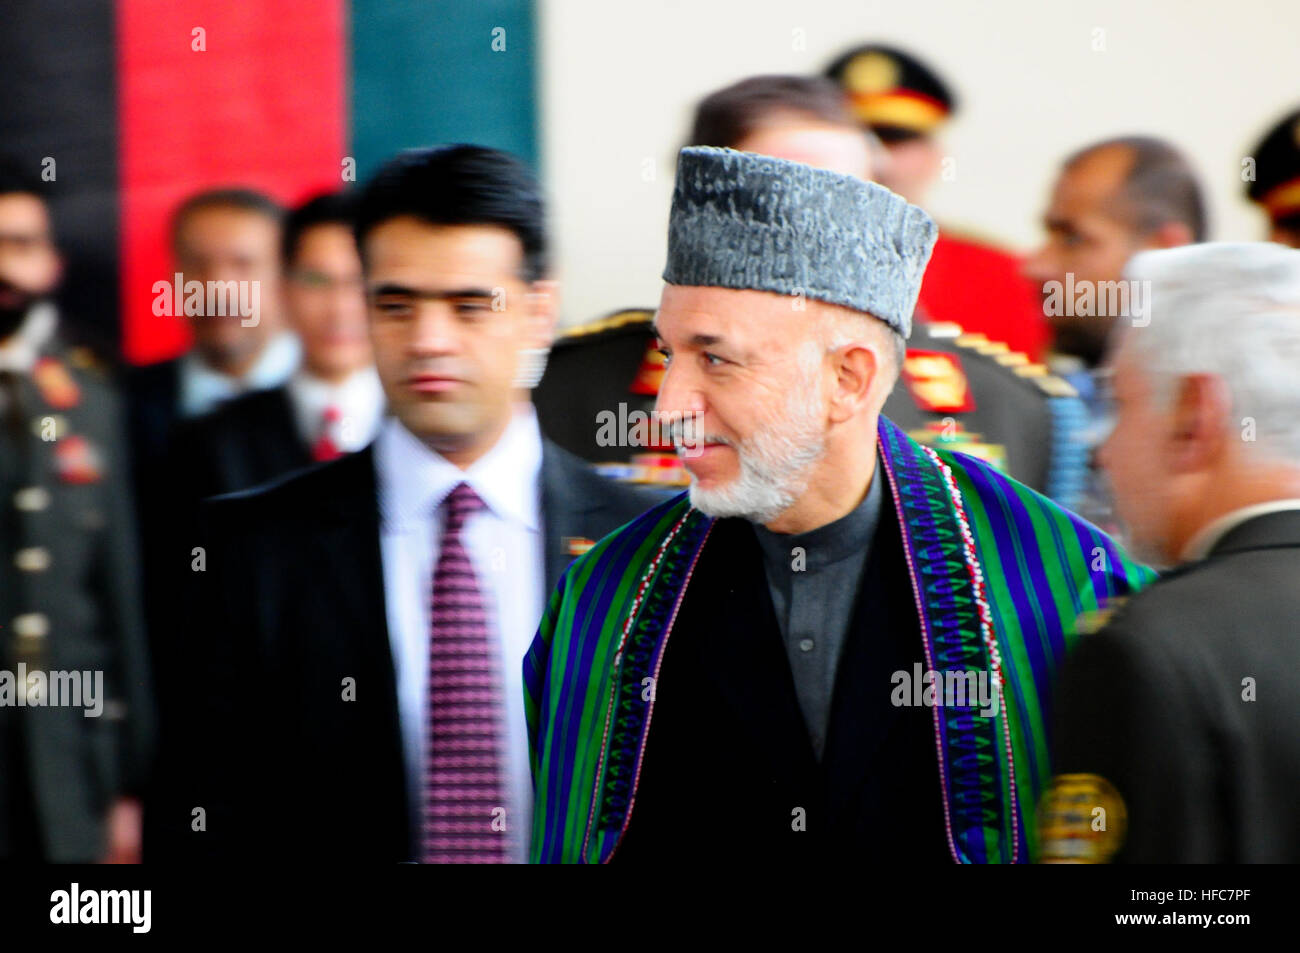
1111, 200
71, 772
800, 118
1275, 186
397, 588
333, 403
968, 281
223, 235
227, 242
1183, 708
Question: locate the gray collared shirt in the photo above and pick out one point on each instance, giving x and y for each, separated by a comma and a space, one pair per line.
813, 578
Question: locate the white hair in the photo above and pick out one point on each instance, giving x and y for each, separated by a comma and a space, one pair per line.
843, 327
1231, 310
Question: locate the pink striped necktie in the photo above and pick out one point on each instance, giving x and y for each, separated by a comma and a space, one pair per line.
465, 797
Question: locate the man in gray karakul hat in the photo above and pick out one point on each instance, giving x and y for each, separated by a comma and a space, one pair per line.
782, 662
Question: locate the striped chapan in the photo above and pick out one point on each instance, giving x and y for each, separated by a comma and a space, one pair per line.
1000, 575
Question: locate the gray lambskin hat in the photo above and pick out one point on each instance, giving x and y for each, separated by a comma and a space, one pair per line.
747, 221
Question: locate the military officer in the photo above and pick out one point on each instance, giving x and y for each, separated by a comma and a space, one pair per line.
76, 720
1275, 185
1112, 199
956, 388
969, 281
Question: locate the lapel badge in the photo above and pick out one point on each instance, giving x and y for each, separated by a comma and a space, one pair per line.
55, 383
1081, 820
937, 382
577, 545
76, 460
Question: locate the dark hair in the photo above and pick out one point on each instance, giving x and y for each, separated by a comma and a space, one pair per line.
1160, 187
727, 116
16, 180
328, 208
459, 185
244, 200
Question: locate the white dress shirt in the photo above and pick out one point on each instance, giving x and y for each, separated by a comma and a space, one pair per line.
359, 399
203, 387
505, 544
1205, 539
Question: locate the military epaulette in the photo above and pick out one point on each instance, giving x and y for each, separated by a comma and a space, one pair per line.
943, 329
619, 319
1017, 363
1046, 381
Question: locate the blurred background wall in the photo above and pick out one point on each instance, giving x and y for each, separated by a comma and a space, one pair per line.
619, 81
142, 102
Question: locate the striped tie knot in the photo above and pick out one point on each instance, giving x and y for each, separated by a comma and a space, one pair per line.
460, 503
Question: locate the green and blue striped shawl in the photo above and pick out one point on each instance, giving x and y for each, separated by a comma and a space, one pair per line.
1000, 575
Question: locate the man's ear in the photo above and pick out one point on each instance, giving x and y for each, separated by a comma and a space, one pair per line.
541, 307
857, 366
1200, 423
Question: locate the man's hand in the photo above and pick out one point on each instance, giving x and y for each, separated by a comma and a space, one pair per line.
124, 825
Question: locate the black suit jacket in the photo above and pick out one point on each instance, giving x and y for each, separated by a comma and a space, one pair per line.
289, 607
1155, 703
245, 442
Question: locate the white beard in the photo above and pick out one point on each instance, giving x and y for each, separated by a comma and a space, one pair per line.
774, 461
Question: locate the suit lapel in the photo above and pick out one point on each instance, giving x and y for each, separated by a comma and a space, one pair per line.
566, 511
352, 634
349, 546
287, 441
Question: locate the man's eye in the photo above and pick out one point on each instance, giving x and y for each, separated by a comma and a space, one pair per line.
665, 354
471, 306
714, 360
393, 309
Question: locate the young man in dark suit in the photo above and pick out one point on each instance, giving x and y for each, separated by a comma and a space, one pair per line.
359, 628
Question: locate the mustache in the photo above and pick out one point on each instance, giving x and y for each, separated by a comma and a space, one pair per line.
687, 434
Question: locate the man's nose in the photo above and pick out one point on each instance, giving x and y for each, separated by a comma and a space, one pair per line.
1039, 267
433, 330
679, 396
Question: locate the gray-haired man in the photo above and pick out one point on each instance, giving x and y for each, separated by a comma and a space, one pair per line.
1178, 718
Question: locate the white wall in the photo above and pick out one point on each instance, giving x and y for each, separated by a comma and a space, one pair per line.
619, 80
